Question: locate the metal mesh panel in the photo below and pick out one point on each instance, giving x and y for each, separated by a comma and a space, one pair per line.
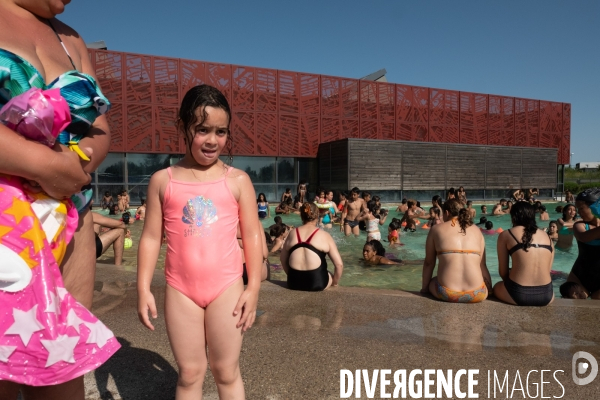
289, 101
288, 113
368, 100
193, 73
139, 128
219, 76
330, 97
166, 81
242, 128
109, 71
369, 129
349, 98
266, 134
116, 124
330, 129
266, 90
243, 88
167, 139
309, 94
564, 155
138, 79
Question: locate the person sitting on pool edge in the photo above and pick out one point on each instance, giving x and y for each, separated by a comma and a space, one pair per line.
303, 254
463, 276
586, 269
115, 235
528, 282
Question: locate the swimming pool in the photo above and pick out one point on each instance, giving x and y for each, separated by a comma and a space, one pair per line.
385, 277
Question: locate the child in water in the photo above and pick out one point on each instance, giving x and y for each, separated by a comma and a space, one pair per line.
434, 217
393, 235
553, 231
199, 202
371, 256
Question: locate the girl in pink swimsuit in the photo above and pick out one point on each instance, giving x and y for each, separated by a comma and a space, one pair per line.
199, 202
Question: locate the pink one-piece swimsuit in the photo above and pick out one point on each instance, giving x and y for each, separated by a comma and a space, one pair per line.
200, 221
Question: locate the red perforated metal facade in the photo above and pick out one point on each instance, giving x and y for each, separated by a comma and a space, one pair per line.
286, 113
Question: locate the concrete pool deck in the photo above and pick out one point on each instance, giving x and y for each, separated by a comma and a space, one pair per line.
301, 340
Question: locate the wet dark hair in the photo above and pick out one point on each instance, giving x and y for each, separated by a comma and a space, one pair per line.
567, 287
489, 225
436, 210
343, 193
452, 190
394, 225
566, 209
543, 208
365, 194
289, 201
202, 96
372, 206
483, 205
125, 217
404, 200
523, 214
455, 209
589, 196
437, 199
376, 198
355, 190
419, 204
278, 220
309, 212
288, 190
277, 230
411, 203
469, 202
377, 246
258, 198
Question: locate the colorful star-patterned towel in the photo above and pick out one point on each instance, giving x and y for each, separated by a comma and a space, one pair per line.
46, 336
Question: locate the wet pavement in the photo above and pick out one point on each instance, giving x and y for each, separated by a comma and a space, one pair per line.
301, 341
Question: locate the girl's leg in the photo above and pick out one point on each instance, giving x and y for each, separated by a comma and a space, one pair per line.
225, 342
9, 390
502, 294
185, 327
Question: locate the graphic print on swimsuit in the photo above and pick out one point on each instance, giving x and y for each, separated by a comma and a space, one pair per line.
200, 213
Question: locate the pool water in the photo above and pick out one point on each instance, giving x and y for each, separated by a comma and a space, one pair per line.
356, 273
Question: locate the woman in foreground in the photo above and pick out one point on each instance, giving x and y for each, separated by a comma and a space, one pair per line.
459, 246
528, 282
303, 254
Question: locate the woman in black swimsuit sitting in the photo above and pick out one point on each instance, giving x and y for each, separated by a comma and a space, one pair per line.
528, 283
303, 254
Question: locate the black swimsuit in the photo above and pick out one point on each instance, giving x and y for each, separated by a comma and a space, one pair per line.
536, 296
313, 280
587, 264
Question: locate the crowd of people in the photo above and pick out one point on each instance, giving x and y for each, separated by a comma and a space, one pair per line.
456, 243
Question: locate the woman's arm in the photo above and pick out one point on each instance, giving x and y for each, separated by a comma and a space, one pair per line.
503, 257
487, 279
335, 257
268, 210
586, 236
249, 227
149, 247
283, 256
277, 246
386, 261
344, 214
429, 262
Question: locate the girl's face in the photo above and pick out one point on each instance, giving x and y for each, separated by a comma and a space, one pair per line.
571, 212
584, 210
552, 228
210, 137
330, 196
368, 252
261, 198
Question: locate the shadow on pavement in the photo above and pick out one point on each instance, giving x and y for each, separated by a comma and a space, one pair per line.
138, 374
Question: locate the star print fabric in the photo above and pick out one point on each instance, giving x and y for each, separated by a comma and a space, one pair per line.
46, 336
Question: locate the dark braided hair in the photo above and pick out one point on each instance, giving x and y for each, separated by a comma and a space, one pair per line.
202, 96
456, 209
523, 214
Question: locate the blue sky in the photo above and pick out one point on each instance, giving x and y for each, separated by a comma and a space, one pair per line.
547, 50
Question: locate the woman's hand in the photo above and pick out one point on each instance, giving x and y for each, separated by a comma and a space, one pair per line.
62, 175
146, 303
246, 306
